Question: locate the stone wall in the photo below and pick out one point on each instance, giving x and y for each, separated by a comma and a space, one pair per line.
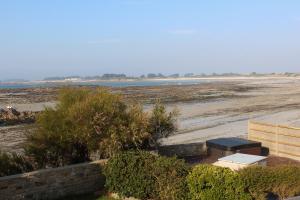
54, 183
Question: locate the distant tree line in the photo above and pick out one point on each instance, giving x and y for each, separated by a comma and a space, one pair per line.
160, 75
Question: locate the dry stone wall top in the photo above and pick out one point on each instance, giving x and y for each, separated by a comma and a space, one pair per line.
54, 183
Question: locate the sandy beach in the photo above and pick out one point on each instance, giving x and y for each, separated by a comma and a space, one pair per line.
274, 101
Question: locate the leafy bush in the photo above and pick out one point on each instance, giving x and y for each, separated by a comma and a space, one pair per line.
170, 178
282, 181
287, 183
257, 180
86, 121
144, 175
13, 164
161, 122
212, 182
129, 174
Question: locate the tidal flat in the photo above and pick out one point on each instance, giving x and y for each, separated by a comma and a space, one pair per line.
219, 108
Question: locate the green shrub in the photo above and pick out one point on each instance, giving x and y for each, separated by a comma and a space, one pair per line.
287, 183
170, 178
207, 182
282, 181
258, 181
129, 175
13, 164
161, 123
144, 175
86, 121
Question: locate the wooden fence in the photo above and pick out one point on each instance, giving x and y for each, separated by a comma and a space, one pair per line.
281, 140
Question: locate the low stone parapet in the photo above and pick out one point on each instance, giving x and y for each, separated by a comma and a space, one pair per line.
54, 183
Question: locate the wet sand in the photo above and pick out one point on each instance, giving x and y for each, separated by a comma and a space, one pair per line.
276, 101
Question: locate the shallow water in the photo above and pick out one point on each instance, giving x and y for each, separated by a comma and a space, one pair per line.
104, 83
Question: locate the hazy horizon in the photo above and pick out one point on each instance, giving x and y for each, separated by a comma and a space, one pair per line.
63, 38
145, 76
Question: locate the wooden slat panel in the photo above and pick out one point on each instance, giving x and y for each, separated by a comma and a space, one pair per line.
281, 140
262, 135
289, 132
291, 150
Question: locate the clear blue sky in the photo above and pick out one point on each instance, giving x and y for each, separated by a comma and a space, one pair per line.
41, 38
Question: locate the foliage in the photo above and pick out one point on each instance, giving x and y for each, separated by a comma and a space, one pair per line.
170, 178
257, 181
208, 182
144, 175
86, 121
162, 123
129, 174
13, 164
282, 181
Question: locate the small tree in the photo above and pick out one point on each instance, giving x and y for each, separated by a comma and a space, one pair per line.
83, 122
162, 123
86, 121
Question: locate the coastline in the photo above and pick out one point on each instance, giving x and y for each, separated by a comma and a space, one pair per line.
136, 80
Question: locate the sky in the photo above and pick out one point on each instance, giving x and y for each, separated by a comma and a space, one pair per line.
91, 37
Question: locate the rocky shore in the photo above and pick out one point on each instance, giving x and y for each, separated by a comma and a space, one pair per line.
10, 116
